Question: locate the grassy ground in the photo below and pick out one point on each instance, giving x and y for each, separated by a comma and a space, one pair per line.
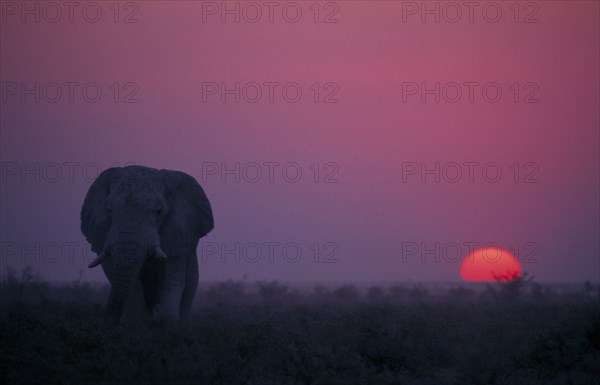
511, 333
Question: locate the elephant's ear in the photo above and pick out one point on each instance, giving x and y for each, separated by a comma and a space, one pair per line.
190, 215
95, 223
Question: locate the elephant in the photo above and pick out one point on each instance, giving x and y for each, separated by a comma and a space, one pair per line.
144, 224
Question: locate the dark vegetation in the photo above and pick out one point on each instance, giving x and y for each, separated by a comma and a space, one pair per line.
513, 332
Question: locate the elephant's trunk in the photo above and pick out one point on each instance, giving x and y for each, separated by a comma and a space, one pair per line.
127, 260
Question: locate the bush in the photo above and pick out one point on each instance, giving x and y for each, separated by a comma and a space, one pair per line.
269, 333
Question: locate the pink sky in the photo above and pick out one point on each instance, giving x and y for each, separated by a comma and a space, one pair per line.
362, 141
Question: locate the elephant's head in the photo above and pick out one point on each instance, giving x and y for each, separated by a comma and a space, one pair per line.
135, 213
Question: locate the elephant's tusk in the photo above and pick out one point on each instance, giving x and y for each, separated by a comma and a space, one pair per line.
99, 259
159, 254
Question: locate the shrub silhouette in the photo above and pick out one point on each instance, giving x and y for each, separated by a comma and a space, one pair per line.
510, 286
269, 333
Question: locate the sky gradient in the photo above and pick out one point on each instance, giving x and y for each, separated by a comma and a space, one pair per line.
362, 133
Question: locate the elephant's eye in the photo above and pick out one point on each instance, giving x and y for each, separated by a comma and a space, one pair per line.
109, 210
159, 212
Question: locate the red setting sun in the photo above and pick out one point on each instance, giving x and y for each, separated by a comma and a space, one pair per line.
489, 264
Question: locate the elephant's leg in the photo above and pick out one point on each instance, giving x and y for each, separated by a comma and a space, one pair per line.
191, 284
172, 292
